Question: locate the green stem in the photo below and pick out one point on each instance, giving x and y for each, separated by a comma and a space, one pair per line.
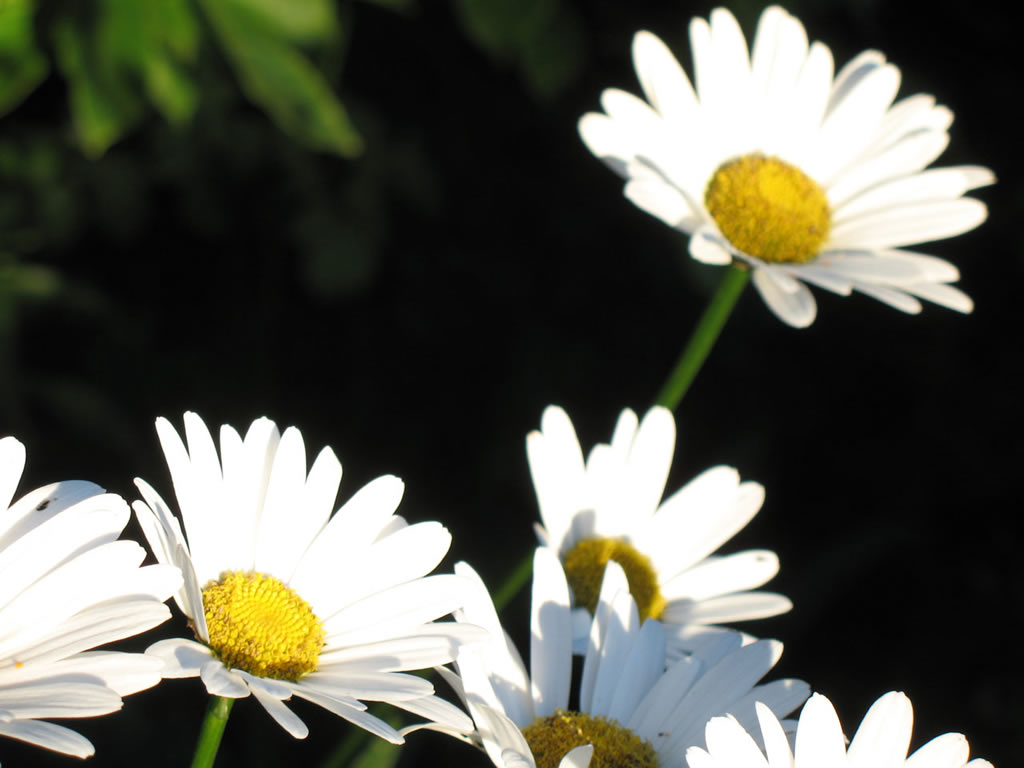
515, 582
211, 731
704, 337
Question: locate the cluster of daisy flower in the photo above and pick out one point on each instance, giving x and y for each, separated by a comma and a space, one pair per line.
772, 164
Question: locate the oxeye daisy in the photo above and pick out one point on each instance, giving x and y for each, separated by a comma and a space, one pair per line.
283, 598
628, 710
774, 162
610, 507
68, 585
882, 739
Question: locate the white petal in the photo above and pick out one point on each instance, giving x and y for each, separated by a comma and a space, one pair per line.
279, 544
950, 750
392, 612
340, 681
819, 737
612, 583
643, 667
943, 295
883, 738
355, 526
550, 634
221, 681
706, 247
316, 502
894, 298
558, 473
181, 657
928, 186
789, 300
50, 736
407, 554
616, 642
730, 744
720, 576
607, 141
664, 83
354, 715
909, 224
577, 758
282, 714
776, 743
663, 201
12, 464
728, 608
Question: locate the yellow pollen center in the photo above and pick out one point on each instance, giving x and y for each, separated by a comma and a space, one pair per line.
259, 625
551, 737
769, 209
584, 568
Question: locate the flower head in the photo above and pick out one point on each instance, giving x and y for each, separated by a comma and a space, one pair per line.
285, 599
610, 508
628, 710
882, 739
67, 585
775, 163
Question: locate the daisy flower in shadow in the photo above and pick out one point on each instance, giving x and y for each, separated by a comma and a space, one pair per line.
628, 709
610, 507
283, 598
883, 739
67, 585
774, 162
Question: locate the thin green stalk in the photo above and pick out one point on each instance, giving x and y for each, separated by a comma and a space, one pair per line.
212, 730
515, 582
704, 336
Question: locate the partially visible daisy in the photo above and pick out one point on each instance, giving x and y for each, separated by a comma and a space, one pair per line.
611, 508
283, 598
628, 709
881, 741
802, 176
68, 585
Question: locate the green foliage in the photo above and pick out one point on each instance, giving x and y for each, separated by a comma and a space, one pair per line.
259, 38
543, 37
22, 66
120, 57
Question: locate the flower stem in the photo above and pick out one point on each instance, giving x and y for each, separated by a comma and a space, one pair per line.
703, 337
211, 731
515, 582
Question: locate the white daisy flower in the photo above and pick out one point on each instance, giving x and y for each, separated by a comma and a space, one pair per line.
283, 598
629, 709
67, 585
610, 508
881, 741
802, 176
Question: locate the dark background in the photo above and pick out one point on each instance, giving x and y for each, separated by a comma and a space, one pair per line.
417, 307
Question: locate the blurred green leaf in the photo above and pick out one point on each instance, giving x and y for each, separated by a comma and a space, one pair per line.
543, 37
279, 78
29, 280
503, 26
22, 66
102, 107
400, 6
554, 58
378, 754
299, 21
150, 42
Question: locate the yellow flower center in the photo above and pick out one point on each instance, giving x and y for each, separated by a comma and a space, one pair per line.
259, 625
584, 568
550, 738
769, 209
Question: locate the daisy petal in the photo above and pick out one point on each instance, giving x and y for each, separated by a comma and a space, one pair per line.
791, 302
